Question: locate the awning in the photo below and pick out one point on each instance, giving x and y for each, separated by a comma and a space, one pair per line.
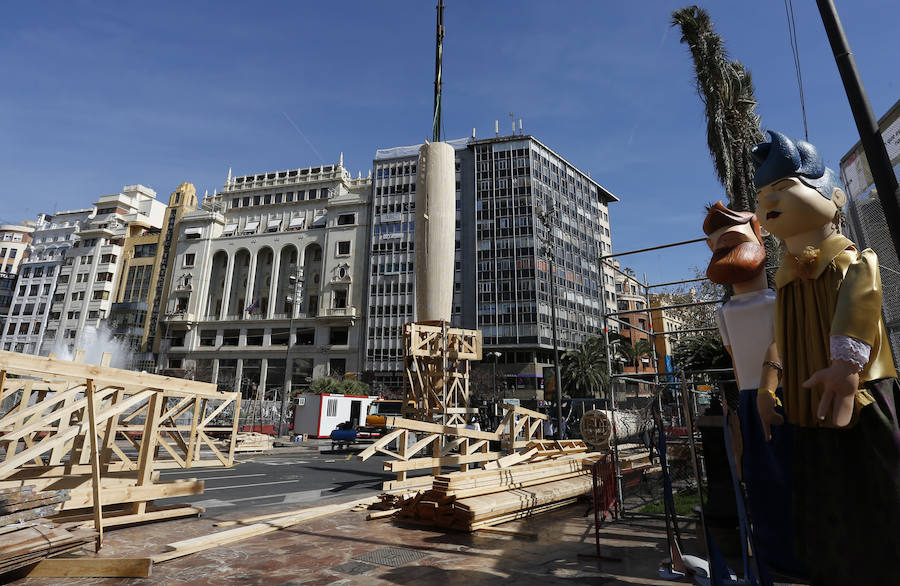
251, 227
296, 222
273, 225
193, 231
229, 229
319, 222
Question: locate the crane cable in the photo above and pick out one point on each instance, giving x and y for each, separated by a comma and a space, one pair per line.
792, 34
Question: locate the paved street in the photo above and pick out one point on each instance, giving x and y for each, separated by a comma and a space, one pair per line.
291, 477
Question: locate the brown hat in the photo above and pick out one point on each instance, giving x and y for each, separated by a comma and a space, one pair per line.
719, 216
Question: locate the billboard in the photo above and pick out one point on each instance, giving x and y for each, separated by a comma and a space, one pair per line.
855, 172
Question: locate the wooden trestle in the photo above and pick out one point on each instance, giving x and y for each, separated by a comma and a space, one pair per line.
104, 433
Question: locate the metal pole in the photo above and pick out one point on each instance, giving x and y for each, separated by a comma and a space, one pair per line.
561, 428
438, 55
866, 123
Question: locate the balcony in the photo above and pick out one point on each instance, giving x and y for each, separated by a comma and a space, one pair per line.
338, 312
179, 317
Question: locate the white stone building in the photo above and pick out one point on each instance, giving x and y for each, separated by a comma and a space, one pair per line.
268, 281
38, 272
14, 241
90, 270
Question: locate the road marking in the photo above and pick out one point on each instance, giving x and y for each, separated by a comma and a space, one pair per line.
212, 504
249, 485
230, 477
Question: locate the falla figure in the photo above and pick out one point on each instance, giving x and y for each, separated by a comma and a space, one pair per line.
763, 455
839, 382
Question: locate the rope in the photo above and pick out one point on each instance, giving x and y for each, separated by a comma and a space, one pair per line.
792, 34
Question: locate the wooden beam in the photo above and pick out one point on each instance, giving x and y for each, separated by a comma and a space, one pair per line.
95, 464
101, 375
90, 568
422, 463
414, 425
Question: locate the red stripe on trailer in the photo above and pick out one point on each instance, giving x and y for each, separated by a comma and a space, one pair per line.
319, 422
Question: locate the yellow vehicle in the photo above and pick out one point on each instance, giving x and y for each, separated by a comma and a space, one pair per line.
379, 411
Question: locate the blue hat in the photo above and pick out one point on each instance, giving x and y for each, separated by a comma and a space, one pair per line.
783, 158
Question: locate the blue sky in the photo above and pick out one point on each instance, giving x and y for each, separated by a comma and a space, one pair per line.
98, 95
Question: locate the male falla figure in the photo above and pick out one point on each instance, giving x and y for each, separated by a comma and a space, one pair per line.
839, 381
745, 321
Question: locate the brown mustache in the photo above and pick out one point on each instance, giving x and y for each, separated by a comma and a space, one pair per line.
737, 264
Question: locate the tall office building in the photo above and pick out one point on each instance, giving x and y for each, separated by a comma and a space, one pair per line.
268, 280
391, 273
502, 281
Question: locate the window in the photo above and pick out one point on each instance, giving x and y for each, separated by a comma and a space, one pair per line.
254, 337
338, 336
337, 366
346, 219
343, 247
100, 295
340, 298
207, 337
189, 259
331, 408
193, 233
231, 337
306, 336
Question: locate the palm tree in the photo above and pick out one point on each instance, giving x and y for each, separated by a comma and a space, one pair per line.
642, 348
584, 369
726, 90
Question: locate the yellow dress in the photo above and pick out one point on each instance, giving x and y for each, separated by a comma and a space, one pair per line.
832, 290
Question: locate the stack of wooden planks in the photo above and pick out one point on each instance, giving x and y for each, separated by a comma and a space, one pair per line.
251, 441
24, 503
25, 535
475, 499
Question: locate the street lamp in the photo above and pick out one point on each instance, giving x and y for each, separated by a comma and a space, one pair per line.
547, 217
295, 282
496, 356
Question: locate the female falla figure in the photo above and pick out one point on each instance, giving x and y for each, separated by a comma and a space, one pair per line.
839, 381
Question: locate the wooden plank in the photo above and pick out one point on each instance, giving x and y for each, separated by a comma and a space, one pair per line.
91, 568
422, 463
381, 442
414, 425
511, 460
524, 411
136, 494
95, 463
101, 375
204, 542
415, 482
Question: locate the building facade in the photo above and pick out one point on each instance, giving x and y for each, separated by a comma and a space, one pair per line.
92, 267
267, 281
38, 274
14, 240
391, 266
144, 285
635, 329
502, 281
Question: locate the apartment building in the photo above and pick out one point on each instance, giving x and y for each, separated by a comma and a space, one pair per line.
38, 273
91, 267
502, 280
14, 240
268, 279
146, 272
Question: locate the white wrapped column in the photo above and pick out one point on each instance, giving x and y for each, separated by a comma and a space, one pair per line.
435, 231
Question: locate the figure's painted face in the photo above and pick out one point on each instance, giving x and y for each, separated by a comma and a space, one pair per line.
787, 208
738, 254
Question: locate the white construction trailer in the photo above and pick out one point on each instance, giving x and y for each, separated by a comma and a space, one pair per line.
319, 415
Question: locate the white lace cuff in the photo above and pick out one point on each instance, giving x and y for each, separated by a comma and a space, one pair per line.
850, 350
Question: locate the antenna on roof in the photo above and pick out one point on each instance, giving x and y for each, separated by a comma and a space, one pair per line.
228, 180
520, 126
512, 118
438, 56
496, 128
